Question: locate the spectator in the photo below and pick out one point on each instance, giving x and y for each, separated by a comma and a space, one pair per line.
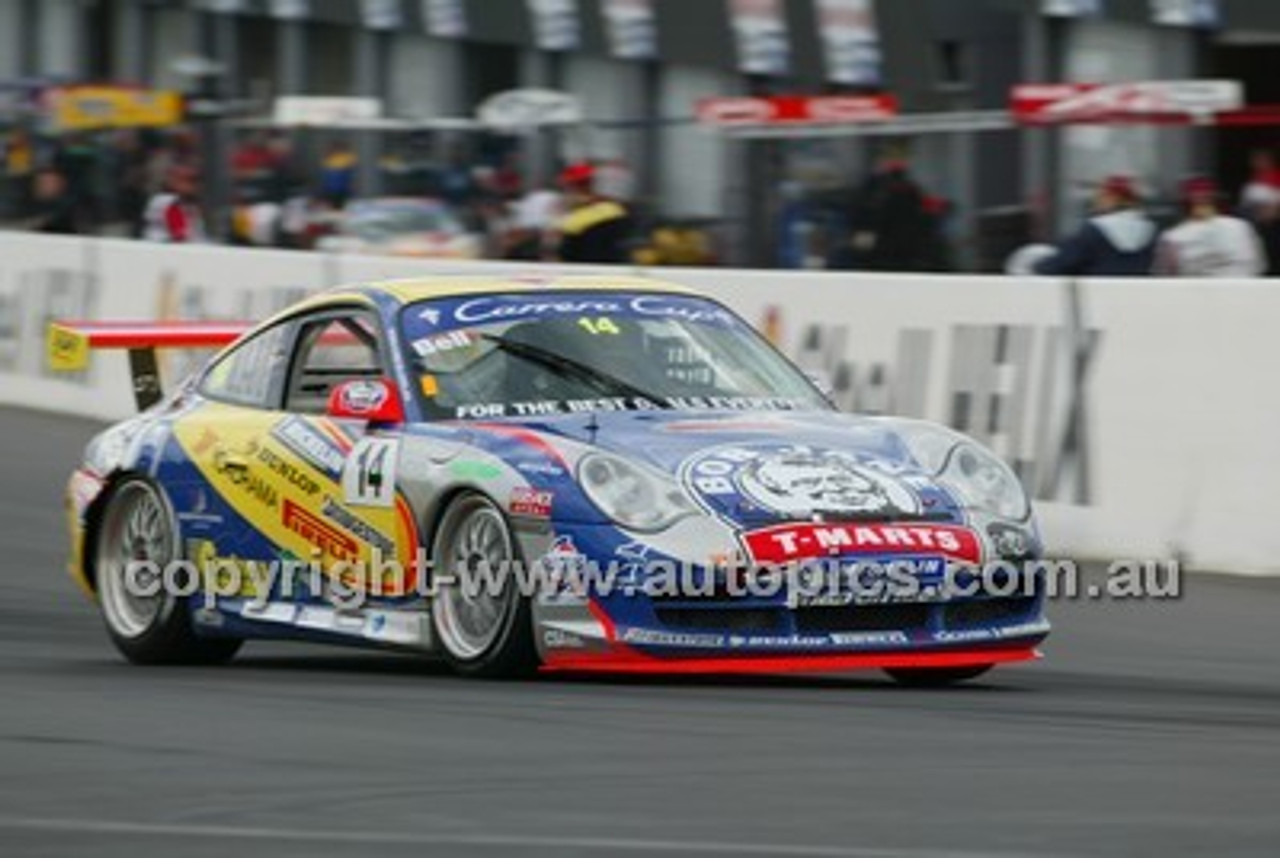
457, 185
19, 168
131, 178
890, 225
251, 161
338, 175
77, 160
1266, 220
283, 177
1119, 240
173, 215
533, 222
595, 229
1208, 243
254, 224
507, 180
936, 252
177, 148
1264, 178
55, 208
299, 216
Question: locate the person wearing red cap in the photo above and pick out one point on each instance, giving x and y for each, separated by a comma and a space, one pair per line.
1119, 240
595, 229
1208, 243
891, 228
1264, 178
1264, 214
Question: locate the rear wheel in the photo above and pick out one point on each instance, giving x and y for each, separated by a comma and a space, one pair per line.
483, 623
146, 623
936, 677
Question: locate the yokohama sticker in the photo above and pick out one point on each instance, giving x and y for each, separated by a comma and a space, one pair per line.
788, 542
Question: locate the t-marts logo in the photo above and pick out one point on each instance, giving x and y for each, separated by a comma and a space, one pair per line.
801, 482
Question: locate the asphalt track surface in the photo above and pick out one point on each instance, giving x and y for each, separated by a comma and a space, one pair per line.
1149, 729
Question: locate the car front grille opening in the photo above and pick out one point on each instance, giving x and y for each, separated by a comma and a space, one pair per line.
987, 612
861, 618
763, 621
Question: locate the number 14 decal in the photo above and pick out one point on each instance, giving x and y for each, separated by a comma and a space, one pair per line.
369, 476
600, 327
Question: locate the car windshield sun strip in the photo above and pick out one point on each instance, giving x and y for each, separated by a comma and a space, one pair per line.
558, 362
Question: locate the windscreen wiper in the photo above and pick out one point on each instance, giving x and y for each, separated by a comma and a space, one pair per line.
560, 363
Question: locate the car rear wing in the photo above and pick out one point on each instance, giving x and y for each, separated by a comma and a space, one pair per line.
71, 343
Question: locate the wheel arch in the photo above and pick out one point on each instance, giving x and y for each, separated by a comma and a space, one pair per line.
434, 517
93, 520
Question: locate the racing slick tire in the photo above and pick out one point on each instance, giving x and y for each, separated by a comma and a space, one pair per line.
137, 524
936, 677
485, 632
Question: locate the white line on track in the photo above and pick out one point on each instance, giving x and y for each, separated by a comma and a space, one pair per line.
377, 838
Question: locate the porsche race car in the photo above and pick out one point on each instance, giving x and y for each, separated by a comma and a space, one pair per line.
586, 474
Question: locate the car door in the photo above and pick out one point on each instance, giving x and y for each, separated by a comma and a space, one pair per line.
303, 488
359, 517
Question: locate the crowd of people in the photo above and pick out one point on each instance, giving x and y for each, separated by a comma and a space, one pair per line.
82, 184
149, 185
1121, 239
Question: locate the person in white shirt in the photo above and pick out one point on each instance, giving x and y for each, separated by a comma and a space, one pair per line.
1208, 243
173, 216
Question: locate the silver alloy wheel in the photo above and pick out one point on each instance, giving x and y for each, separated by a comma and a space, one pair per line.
469, 615
136, 528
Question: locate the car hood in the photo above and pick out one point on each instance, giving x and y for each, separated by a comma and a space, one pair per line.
763, 467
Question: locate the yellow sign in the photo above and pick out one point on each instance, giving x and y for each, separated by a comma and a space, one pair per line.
68, 349
86, 108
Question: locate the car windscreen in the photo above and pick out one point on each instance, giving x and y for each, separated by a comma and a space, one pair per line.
534, 354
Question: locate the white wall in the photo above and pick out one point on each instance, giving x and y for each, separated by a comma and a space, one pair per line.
1176, 397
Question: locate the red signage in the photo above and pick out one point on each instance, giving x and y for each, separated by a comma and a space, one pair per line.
531, 503
1047, 104
788, 542
797, 110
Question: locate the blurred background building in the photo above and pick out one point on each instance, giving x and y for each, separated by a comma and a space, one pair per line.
637, 71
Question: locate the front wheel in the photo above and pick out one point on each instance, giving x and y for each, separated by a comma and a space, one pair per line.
936, 677
482, 621
147, 624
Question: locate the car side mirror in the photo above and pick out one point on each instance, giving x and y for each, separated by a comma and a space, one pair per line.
373, 400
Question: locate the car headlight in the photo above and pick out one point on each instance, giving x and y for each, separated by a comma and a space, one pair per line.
632, 496
985, 482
